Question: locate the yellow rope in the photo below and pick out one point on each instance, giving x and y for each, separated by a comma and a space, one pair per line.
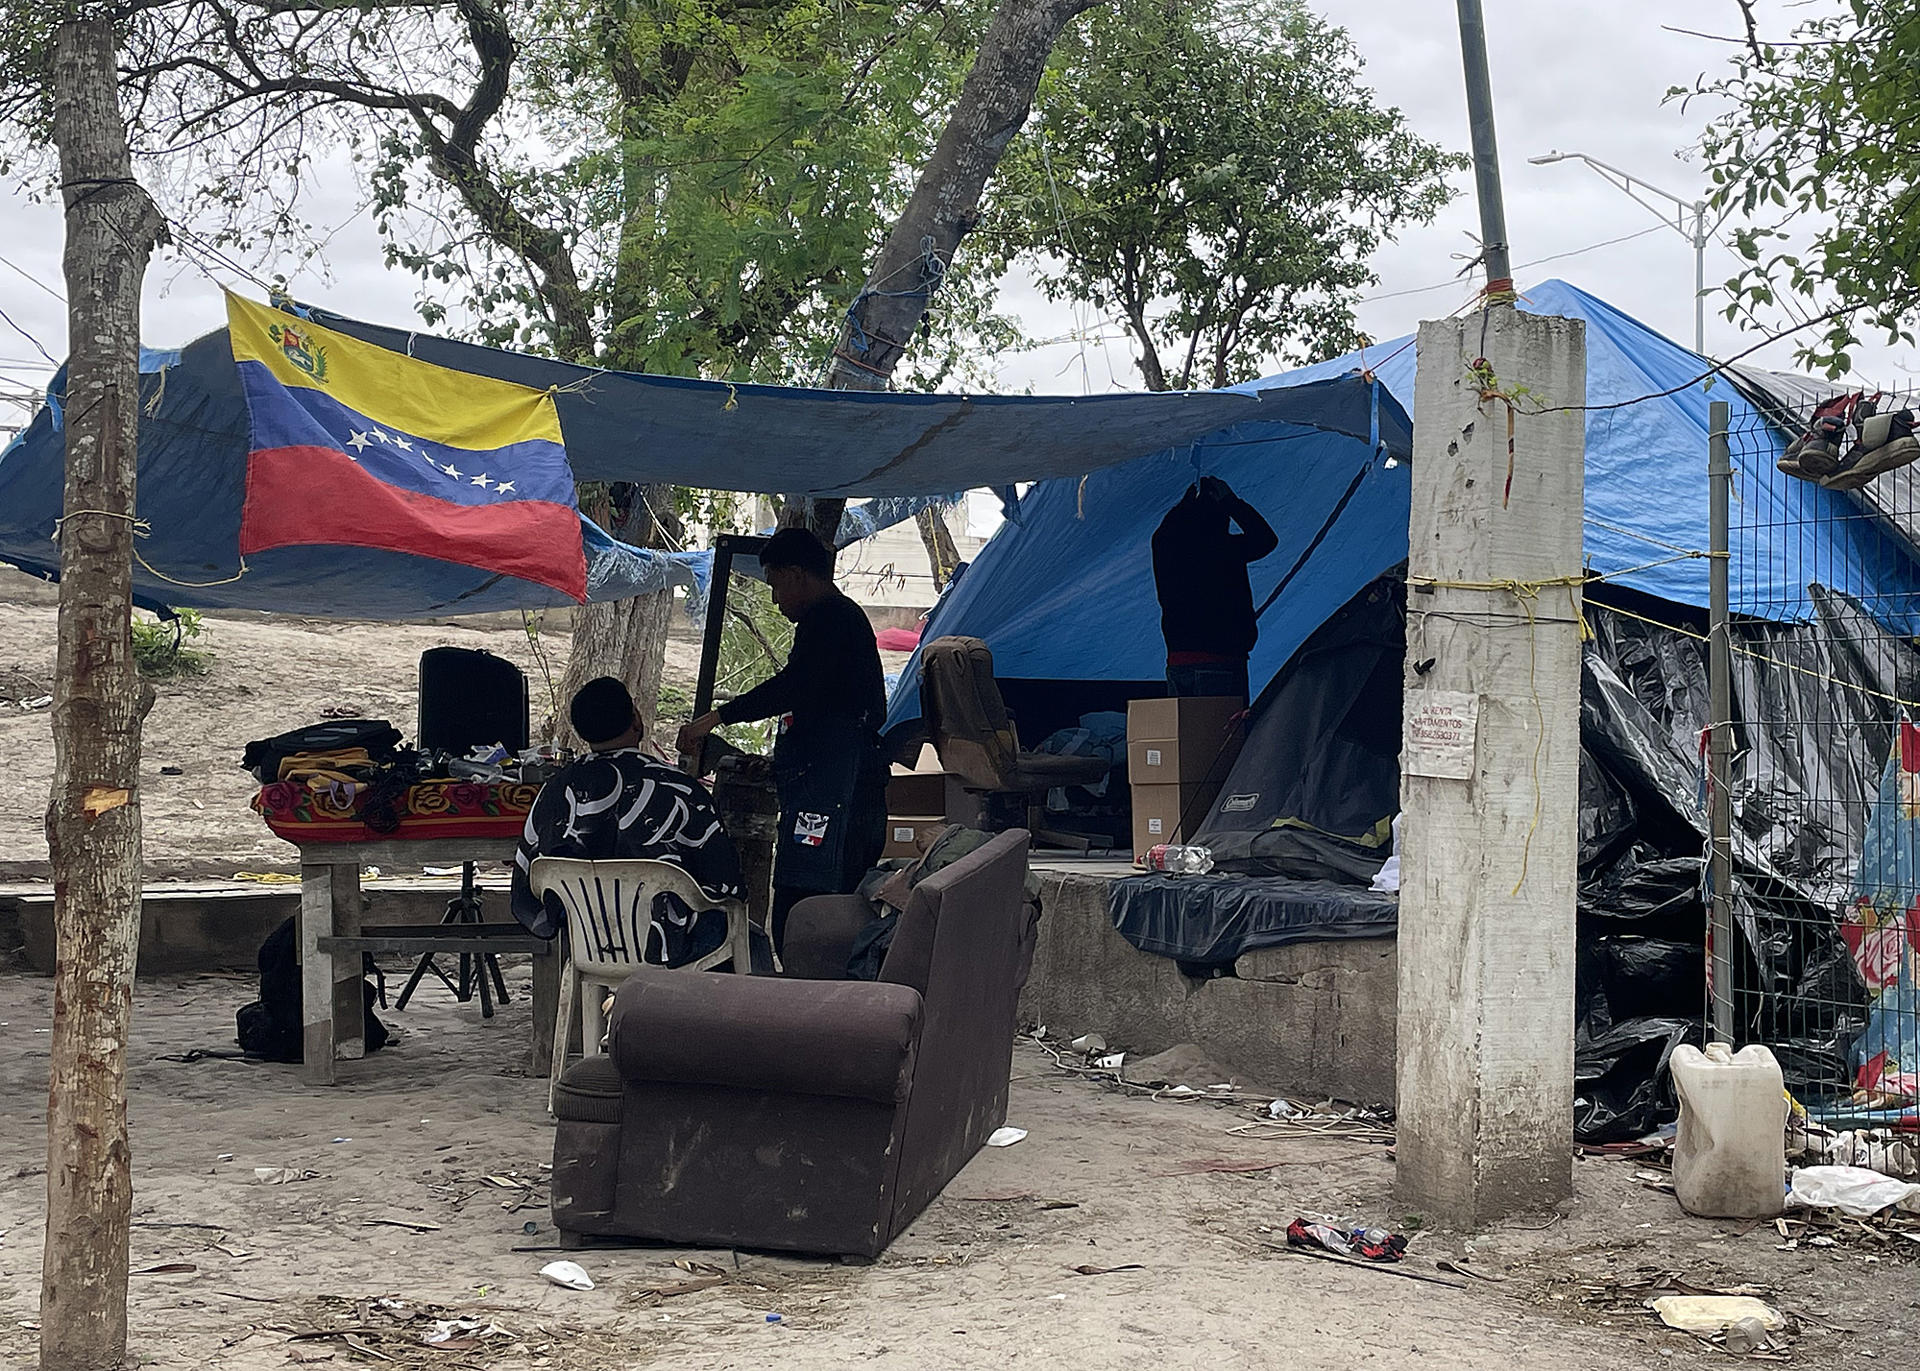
1820, 676
190, 585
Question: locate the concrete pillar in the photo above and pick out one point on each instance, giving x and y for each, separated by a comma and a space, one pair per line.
1491, 770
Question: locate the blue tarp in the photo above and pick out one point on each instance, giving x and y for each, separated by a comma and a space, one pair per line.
1066, 591
618, 427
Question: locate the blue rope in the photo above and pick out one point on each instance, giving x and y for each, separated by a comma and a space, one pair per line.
932, 272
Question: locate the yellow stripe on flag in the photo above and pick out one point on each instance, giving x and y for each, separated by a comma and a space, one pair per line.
475, 413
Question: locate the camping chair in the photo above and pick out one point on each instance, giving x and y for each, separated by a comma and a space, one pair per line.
971, 730
609, 908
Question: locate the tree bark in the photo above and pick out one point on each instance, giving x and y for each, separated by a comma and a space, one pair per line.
994, 103
627, 638
942, 555
93, 813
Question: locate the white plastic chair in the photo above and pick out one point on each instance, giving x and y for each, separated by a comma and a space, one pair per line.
609, 908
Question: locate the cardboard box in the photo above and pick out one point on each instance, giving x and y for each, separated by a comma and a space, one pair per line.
1159, 809
1182, 761
917, 792
920, 791
1181, 716
905, 836
1190, 740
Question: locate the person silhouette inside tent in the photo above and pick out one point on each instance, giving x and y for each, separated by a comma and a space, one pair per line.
1206, 602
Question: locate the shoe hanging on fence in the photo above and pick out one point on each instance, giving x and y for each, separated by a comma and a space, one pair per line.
1817, 452
1886, 441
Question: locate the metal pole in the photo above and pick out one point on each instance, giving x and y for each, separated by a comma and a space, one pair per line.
1486, 152
1720, 742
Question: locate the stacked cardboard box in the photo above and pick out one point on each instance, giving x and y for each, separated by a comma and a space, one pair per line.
916, 805
1179, 752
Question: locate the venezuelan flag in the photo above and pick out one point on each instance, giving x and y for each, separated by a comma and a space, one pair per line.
355, 446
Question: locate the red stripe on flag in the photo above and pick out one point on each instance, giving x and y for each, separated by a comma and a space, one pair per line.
319, 497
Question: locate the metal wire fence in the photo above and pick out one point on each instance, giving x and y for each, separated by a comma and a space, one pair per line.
1814, 767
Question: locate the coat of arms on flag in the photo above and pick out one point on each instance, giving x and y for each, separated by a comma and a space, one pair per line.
352, 445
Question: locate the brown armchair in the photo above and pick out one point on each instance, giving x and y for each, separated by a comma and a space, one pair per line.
804, 1115
967, 720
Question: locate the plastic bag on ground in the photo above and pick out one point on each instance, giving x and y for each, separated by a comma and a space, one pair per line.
1853, 1190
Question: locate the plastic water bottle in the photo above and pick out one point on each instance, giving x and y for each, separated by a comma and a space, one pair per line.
1730, 1151
1180, 860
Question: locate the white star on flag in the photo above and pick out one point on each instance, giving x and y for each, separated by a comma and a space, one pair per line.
402, 443
358, 442
502, 487
481, 481
449, 469
378, 436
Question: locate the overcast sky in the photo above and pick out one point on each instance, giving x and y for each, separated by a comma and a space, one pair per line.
1567, 74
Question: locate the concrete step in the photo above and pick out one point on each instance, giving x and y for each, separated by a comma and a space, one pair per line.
191, 926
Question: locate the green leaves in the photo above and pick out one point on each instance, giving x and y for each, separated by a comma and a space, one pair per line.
1819, 151
1217, 177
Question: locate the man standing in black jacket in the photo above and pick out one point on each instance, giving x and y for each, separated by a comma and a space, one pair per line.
827, 764
1206, 603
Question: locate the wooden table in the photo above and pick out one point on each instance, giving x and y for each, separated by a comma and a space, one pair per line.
333, 1003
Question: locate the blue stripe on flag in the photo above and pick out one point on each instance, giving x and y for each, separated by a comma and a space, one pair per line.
287, 416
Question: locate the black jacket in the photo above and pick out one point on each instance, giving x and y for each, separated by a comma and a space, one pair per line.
833, 670
623, 804
1200, 574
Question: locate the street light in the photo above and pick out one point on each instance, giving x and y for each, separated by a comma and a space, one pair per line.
1682, 210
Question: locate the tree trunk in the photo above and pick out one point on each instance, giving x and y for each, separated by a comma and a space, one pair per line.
627, 638
993, 104
93, 813
942, 555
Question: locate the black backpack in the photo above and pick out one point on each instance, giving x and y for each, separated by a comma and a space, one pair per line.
271, 1026
264, 755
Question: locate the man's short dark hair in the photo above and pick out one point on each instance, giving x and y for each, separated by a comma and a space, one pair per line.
797, 548
602, 710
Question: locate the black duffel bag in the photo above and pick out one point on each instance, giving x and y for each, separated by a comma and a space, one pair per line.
263, 756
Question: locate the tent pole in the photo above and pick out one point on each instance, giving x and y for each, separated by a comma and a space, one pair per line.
1720, 741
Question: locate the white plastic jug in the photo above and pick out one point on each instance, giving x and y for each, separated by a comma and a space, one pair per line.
1730, 1154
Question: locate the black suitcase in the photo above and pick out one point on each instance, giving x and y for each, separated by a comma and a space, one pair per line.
469, 699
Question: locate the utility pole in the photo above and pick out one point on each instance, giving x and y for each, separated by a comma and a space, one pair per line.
1490, 755
99, 702
1688, 219
1486, 154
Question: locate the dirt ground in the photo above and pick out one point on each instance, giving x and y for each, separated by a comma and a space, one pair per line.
446, 1132
268, 673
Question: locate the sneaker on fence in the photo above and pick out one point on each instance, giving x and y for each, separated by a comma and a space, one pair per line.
1886, 441
1817, 452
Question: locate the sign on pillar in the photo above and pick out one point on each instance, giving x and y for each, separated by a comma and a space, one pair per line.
1490, 768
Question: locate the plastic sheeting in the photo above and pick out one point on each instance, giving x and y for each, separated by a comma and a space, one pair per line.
618, 427
1065, 591
1810, 708
1207, 921
622, 426
1646, 491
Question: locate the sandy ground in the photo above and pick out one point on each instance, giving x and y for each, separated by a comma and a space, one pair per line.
268, 674
284, 1274
983, 1279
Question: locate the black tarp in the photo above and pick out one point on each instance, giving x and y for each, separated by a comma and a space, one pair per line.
1814, 712
1205, 922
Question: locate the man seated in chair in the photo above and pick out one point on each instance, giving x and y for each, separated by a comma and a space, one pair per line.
619, 802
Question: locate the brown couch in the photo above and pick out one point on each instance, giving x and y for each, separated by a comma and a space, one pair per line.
811, 1115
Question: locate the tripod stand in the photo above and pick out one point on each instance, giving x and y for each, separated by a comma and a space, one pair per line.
475, 967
